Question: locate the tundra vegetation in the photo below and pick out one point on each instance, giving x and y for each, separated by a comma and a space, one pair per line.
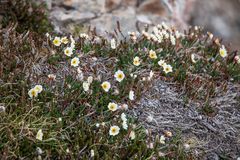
69, 97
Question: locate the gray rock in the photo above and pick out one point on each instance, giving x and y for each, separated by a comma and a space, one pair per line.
108, 22
62, 15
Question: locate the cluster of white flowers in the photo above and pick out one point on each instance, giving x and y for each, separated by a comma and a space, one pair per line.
68, 51
84, 35
163, 32
113, 43
160, 33
86, 84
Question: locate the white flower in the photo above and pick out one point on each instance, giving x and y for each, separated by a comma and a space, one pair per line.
177, 34
186, 146
193, 58
106, 86
164, 26
80, 74
162, 139
64, 40
75, 62
67, 150
90, 79
119, 75
39, 135
161, 154
114, 130
57, 41
167, 68
150, 75
112, 106
72, 42
68, 51
92, 153
136, 61
84, 35
161, 63
39, 151
124, 107
38, 88
150, 145
155, 30
123, 117
124, 125
152, 54
86, 86
52, 77
60, 119
210, 35
113, 43
2, 109
131, 95
116, 91
223, 51
154, 38
132, 135
33, 93
97, 125
133, 75
173, 40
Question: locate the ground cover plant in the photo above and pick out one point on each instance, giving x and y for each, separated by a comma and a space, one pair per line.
69, 97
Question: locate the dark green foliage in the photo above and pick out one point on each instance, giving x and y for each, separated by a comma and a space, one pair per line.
27, 15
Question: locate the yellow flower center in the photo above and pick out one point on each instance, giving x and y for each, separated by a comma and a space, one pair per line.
55, 41
34, 93
114, 130
222, 52
112, 107
104, 86
152, 55
120, 76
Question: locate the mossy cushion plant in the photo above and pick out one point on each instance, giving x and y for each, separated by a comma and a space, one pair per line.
68, 97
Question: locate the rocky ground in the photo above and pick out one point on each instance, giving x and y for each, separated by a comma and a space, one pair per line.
163, 109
